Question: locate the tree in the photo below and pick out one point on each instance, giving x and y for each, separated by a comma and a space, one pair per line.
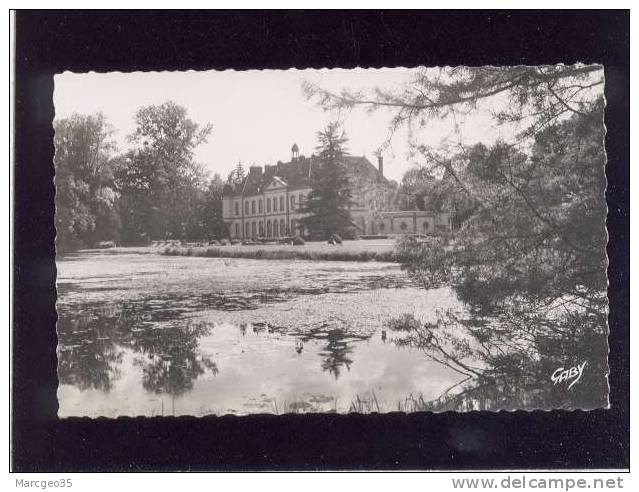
160, 182
207, 219
530, 260
328, 203
237, 175
86, 202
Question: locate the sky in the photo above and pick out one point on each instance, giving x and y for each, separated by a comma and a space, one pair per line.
257, 115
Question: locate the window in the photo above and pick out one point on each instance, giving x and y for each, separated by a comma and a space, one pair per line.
253, 229
259, 207
246, 229
382, 226
253, 207
403, 226
268, 204
292, 202
237, 209
246, 209
274, 204
237, 229
282, 206
426, 225
300, 199
293, 227
275, 234
261, 227
283, 231
268, 228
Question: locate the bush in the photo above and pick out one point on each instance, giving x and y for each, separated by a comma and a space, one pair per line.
335, 239
350, 233
105, 244
298, 241
225, 242
235, 241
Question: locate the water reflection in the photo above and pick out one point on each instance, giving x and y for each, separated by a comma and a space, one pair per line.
166, 346
88, 357
172, 360
92, 343
336, 349
135, 329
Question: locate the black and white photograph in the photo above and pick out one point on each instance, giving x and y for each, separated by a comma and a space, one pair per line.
400, 239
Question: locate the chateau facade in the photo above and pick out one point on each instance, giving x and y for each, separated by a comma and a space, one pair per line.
268, 203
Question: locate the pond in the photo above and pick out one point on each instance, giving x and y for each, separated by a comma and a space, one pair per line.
146, 334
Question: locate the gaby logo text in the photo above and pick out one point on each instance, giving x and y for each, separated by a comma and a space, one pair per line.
572, 374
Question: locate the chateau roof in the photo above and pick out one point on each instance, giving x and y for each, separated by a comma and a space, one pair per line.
297, 174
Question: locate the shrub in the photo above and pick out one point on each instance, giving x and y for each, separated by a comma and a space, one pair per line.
335, 239
298, 241
105, 244
349, 233
225, 242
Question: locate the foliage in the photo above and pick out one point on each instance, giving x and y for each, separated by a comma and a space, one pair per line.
440, 194
536, 96
156, 190
237, 175
86, 202
529, 256
533, 257
160, 183
207, 220
328, 203
284, 253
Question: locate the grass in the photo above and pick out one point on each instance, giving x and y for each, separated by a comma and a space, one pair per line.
314, 251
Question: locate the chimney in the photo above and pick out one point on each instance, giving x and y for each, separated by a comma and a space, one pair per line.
380, 166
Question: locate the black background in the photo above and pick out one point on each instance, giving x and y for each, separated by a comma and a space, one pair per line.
49, 42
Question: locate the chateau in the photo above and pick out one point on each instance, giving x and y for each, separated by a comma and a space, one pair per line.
268, 203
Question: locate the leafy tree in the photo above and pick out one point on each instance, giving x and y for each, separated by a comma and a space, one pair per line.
207, 220
160, 181
328, 203
213, 222
86, 202
530, 260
